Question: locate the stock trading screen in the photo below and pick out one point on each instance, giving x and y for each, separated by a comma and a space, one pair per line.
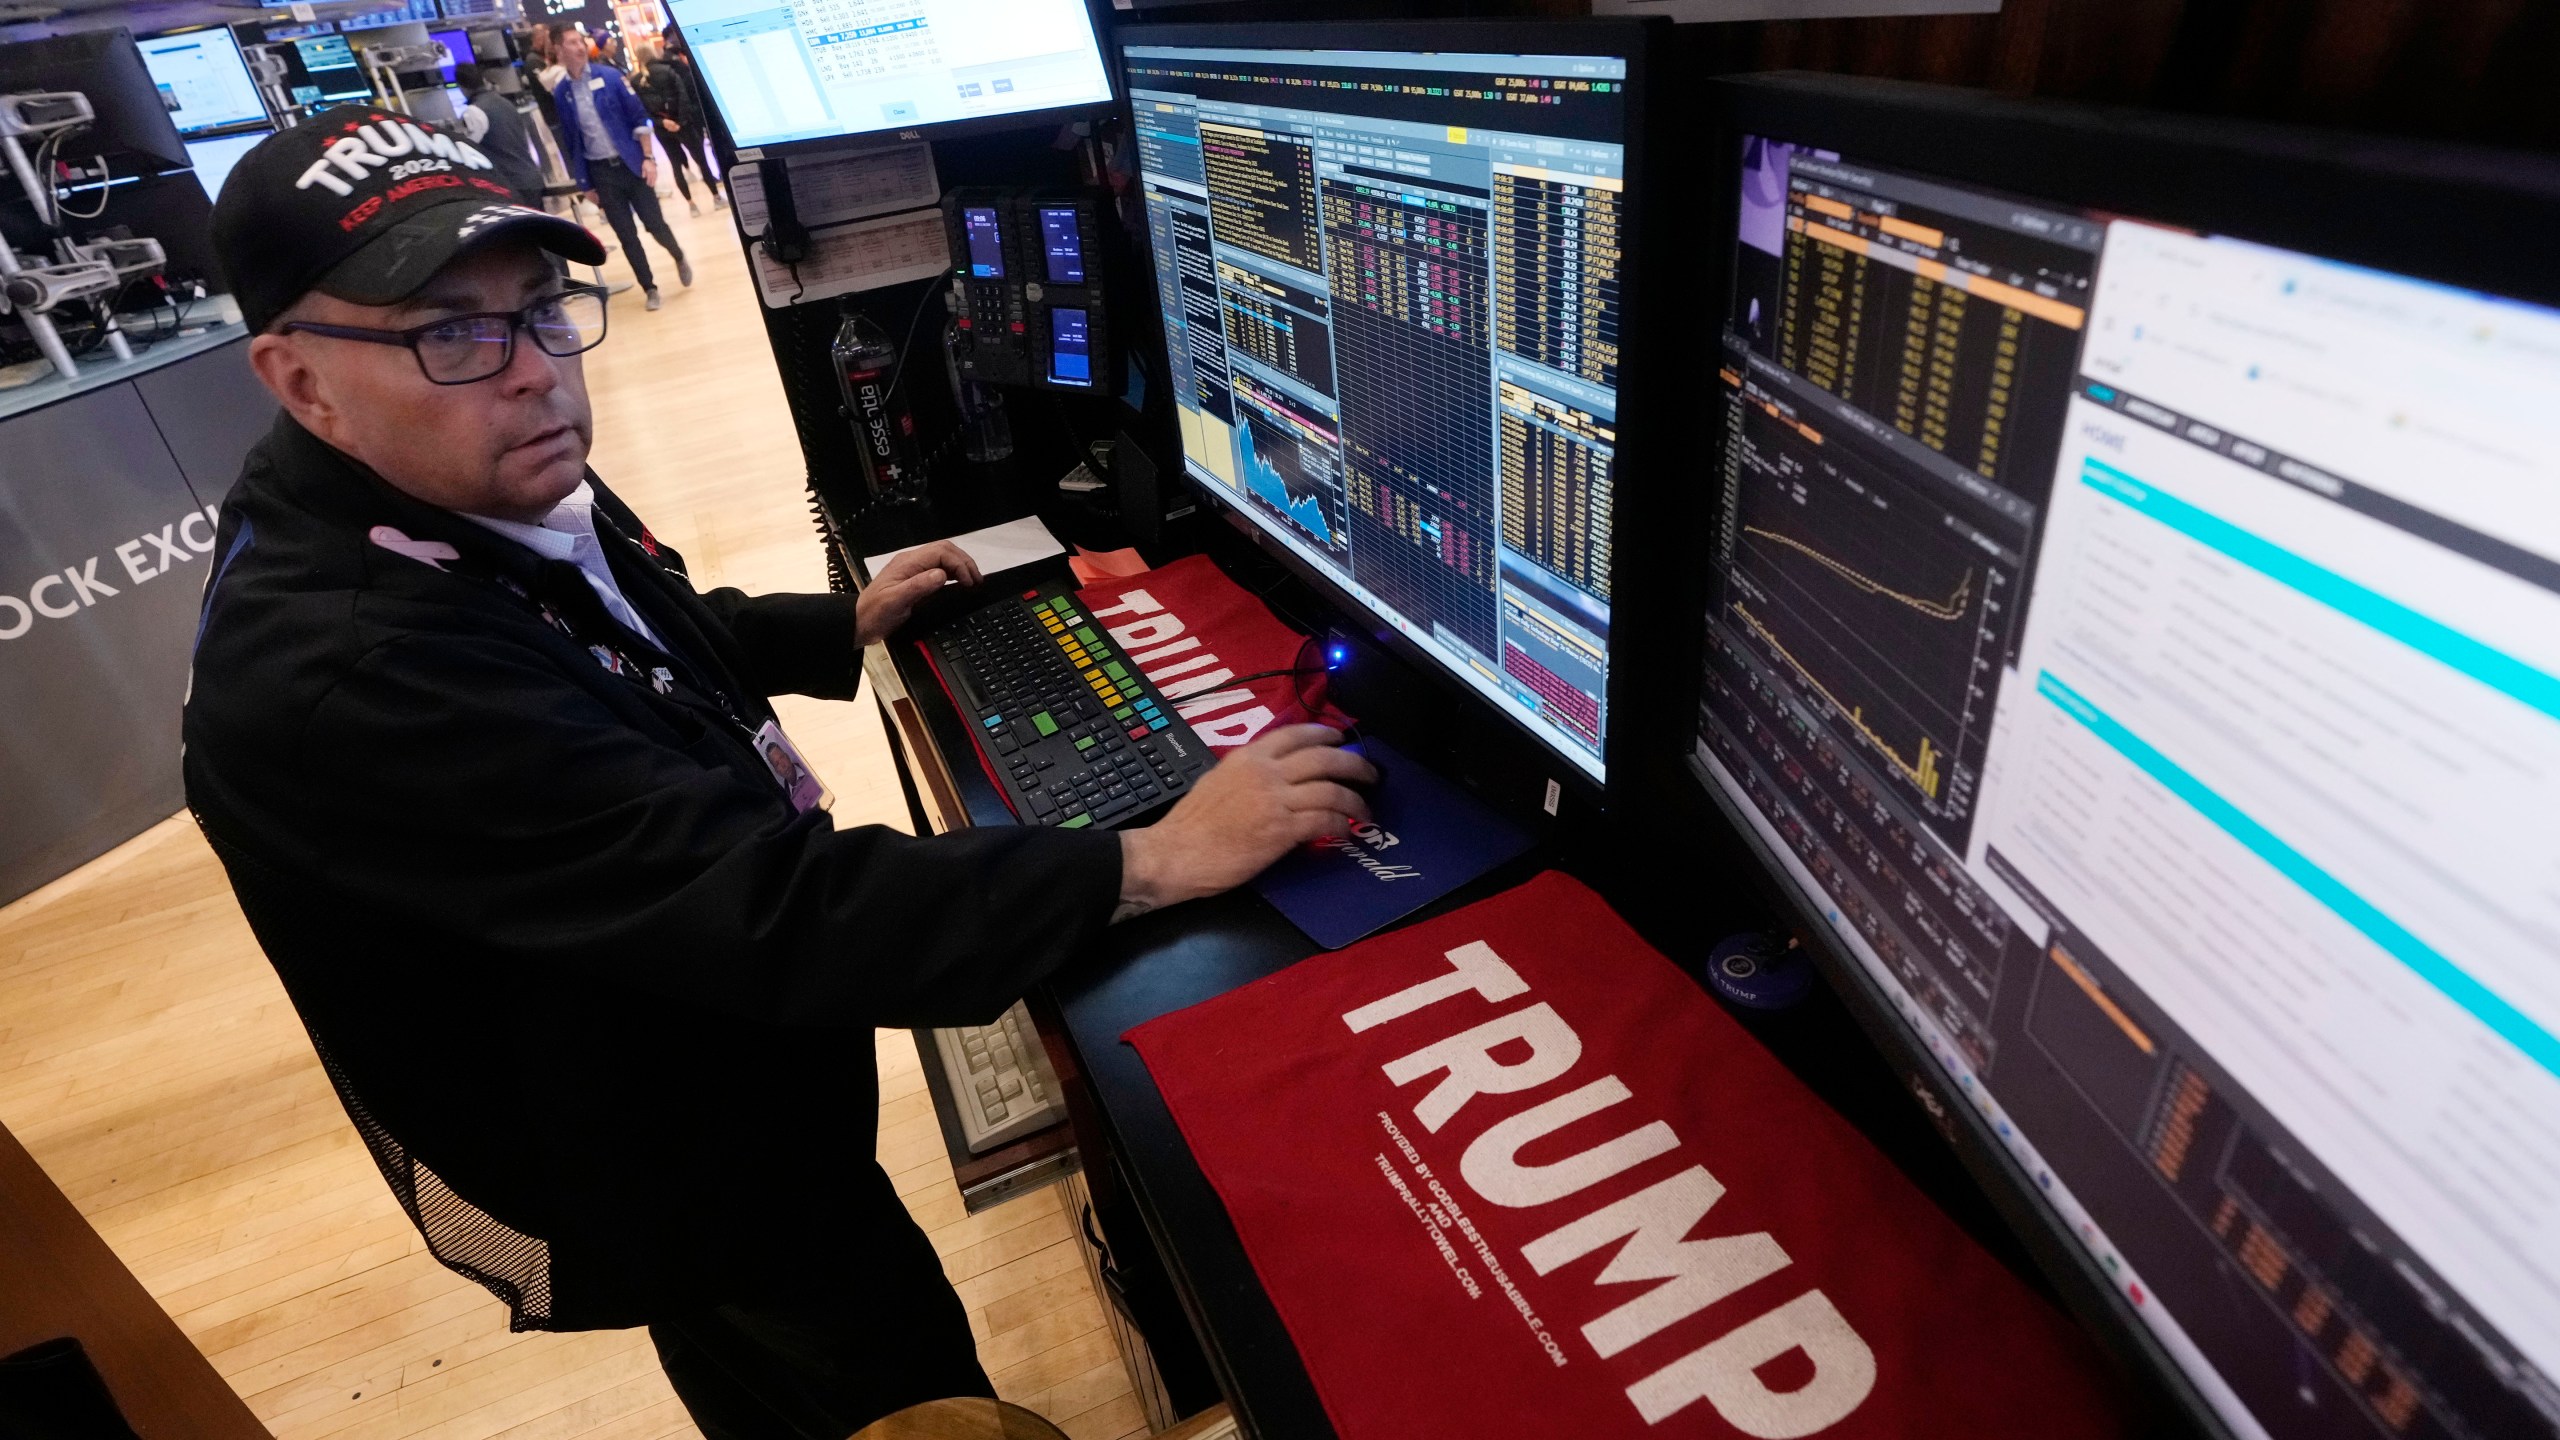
1391, 286
2100, 642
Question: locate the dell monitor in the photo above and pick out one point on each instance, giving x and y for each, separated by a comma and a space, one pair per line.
203, 81
1392, 275
2133, 642
792, 74
133, 121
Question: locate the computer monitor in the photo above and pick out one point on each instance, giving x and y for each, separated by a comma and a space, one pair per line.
324, 53
457, 43
783, 74
1391, 264
203, 81
133, 120
2133, 643
215, 156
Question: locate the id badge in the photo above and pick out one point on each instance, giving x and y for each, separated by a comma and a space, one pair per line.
790, 771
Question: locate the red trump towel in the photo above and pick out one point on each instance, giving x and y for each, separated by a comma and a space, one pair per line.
1201, 637
1510, 1173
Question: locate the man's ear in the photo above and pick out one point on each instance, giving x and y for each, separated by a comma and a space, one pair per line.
286, 371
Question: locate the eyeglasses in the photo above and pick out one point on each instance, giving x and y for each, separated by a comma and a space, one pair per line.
461, 349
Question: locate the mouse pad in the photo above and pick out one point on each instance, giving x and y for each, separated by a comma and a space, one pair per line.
1428, 837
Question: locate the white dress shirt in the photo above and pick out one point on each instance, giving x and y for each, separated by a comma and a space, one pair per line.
582, 99
569, 533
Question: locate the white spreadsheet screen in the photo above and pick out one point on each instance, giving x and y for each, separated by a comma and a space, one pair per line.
818, 68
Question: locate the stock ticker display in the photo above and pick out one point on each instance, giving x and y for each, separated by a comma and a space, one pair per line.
2143, 647
1391, 289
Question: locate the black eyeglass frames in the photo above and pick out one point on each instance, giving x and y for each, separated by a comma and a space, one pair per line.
462, 349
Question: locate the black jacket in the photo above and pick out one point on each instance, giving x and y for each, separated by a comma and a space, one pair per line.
667, 93
554, 926
508, 145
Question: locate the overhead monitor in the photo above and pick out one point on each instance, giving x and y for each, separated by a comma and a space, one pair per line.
325, 53
457, 43
203, 81
786, 73
215, 156
2139, 645
1390, 282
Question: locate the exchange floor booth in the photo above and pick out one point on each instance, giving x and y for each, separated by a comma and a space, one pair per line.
2077, 582
126, 404
1963, 687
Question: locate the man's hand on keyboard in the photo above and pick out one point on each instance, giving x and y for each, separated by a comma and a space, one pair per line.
903, 584
1285, 789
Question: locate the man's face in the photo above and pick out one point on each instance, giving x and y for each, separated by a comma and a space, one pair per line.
510, 447
573, 54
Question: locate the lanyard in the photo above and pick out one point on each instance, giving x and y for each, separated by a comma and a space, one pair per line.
578, 619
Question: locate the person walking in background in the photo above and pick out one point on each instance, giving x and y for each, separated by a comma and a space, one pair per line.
493, 123
668, 93
604, 134
694, 137
541, 72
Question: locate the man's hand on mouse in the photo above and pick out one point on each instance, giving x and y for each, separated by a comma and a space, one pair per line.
904, 583
1289, 787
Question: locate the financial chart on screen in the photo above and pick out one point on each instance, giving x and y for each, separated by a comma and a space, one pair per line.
1390, 285
2143, 647
811, 69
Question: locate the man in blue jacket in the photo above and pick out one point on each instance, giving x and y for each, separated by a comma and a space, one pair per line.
604, 139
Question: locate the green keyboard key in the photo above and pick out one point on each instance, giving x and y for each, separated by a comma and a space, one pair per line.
1122, 713
1085, 634
1086, 743
1116, 670
1077, 823
1044, 724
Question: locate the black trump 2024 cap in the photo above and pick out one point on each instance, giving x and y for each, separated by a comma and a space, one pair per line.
365, 205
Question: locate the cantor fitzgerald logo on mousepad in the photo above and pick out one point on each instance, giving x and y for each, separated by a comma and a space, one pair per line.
1427, 838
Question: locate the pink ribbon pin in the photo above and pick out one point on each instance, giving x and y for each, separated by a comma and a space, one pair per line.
425, 552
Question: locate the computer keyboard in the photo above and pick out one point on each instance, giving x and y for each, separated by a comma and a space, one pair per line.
1065, 724
1000, 1080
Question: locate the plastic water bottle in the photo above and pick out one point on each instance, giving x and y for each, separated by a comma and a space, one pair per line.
884, 428
986, 432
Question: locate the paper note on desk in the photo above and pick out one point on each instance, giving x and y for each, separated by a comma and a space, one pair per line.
998, 547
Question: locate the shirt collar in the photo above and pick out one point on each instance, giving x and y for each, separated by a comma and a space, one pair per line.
556, 535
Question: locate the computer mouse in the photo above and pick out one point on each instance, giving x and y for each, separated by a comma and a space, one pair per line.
1369, 788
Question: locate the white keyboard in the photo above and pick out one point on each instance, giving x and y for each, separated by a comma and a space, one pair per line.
1000, 1080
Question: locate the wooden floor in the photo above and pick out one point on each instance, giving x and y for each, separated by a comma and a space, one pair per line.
149, 1059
